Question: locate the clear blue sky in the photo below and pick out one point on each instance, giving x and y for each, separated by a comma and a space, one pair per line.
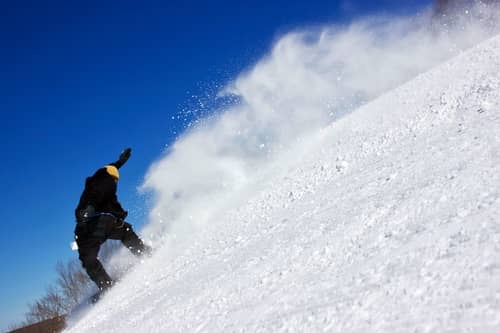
80, 80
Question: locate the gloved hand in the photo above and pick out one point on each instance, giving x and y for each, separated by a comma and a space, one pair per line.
125, 155
123, 215
120, 219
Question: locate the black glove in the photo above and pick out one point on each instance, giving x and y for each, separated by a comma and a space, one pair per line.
123, 215
120, 220
125, 155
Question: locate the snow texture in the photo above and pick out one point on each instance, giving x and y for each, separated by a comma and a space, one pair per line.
387, 220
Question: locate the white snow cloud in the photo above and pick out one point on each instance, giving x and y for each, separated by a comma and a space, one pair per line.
309, 79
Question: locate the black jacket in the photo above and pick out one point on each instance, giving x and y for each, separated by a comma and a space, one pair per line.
100, 193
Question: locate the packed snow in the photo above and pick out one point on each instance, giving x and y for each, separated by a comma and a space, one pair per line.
386, 220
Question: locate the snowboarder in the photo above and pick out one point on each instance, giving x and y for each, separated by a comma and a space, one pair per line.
99, 217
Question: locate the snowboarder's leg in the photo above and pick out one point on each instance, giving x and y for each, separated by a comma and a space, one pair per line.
89, 237
129, 238
88, 251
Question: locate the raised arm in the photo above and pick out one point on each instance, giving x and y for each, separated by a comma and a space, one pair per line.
124, 156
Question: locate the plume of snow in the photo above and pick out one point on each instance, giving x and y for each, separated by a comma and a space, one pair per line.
309, 79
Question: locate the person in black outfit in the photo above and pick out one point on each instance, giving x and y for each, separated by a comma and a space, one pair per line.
100, 217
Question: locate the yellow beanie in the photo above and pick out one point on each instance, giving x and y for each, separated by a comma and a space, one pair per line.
113, 171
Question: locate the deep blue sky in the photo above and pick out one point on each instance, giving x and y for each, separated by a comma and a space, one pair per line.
80, 80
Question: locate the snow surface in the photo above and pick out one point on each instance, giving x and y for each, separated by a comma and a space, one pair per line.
388, 220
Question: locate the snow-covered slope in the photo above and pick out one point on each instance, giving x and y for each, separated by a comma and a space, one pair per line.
386, 221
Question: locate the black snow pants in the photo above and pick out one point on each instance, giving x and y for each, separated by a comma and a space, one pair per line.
92, 234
